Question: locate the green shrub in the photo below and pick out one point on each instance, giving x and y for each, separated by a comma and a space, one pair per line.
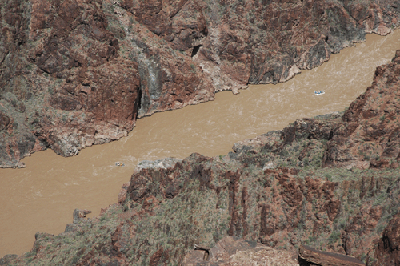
334, 237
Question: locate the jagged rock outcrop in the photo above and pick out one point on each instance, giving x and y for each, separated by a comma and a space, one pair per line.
76, 73
387, 249
370, 134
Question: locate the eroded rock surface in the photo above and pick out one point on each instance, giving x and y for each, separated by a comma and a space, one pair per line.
370, 136
76, 73
278, 190
331, 182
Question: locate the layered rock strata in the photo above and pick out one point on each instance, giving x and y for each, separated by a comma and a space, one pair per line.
283, 190
76, 73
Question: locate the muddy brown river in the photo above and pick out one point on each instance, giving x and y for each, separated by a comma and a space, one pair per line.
42, 196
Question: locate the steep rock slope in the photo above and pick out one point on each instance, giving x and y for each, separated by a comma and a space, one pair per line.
76, 73
281, 189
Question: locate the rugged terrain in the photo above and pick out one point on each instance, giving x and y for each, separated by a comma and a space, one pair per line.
75, 73
326, 187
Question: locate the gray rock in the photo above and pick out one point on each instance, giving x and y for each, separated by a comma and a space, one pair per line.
161, 163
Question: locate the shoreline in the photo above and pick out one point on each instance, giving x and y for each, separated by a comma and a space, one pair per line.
20, 164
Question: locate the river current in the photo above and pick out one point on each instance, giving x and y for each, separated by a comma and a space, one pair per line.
42, 196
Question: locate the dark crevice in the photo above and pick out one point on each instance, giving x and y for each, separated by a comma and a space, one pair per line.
45, 70
303, 262
139, 99
330, 135
206, 255
138, 105
195, 50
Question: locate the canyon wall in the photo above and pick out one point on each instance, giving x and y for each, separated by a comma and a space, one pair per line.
76, 73
327, 187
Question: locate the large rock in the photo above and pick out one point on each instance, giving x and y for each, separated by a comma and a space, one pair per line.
309, 256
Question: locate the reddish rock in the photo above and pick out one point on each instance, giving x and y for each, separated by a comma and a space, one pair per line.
370, 136
81, 72
387, 250
309, 256
122, 193
4, 121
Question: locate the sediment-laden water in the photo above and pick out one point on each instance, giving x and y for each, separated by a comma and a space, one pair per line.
43, 196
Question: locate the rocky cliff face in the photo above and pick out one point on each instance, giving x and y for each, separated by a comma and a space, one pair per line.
76, 73
284, 189
370, 134
231, 251
387, 249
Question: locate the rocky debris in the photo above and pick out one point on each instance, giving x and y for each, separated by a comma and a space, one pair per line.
233, 251
309, 256
79, 73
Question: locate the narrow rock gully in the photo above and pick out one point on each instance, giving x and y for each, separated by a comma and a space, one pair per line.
42, 197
